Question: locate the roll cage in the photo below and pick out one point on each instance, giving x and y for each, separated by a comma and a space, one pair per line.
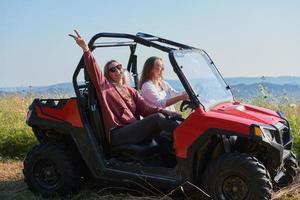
90, 112
143, 39
86, 95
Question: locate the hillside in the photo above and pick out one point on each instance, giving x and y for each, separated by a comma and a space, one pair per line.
248, 92
280, 80
245, 88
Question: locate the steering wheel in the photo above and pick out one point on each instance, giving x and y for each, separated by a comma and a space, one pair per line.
185, 105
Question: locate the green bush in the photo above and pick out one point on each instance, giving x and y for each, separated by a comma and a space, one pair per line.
16, 143
16, 138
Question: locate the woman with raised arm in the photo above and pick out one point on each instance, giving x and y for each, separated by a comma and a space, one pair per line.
121, 105
155, 90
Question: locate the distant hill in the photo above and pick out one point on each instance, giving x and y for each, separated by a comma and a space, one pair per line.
248, 87
57, 89
242, 87
281, 80
250, 91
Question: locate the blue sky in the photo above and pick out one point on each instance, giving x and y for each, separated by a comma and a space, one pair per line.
244, 38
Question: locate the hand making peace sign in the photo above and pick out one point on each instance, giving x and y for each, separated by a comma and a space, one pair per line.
80, 41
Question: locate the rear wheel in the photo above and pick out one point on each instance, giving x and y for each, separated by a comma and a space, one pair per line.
290, 165
237, 176
49, 169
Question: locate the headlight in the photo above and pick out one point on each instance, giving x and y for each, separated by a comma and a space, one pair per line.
267, 133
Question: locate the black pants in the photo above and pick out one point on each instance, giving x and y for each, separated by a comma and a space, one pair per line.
145, 129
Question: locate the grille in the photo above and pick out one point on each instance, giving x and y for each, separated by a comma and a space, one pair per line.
284, 135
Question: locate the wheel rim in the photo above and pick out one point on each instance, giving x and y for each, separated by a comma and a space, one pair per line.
46, 175
234, 187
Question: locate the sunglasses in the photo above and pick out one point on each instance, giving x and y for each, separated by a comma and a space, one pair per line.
115, 68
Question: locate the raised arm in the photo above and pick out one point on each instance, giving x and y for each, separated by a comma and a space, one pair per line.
93, 69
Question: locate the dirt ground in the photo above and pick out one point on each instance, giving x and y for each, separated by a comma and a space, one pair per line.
13, 187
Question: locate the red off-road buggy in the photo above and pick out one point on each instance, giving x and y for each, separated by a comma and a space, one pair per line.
230, 149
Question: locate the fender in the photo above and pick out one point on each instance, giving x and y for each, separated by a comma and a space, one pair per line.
194, 163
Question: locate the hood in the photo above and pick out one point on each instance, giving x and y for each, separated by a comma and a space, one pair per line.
248, 114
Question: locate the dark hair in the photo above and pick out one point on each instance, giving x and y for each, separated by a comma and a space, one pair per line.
146, 73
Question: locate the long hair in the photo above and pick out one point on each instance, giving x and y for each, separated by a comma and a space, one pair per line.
106, 73
146, 73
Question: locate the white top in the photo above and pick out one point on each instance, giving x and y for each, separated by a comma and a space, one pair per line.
158, 97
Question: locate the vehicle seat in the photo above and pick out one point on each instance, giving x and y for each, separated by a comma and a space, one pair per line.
135, 151
125, 152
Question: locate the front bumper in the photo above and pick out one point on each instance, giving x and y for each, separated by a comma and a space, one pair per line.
279, 148
276, 154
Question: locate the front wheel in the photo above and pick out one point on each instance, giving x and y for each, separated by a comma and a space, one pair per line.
236, 176
290, 165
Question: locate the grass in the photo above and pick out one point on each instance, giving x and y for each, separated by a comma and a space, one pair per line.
289, 108
12, 187
16, 138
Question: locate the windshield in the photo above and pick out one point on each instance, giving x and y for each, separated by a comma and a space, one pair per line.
203, 77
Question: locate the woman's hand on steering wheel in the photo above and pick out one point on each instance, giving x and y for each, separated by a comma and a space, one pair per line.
185, 105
